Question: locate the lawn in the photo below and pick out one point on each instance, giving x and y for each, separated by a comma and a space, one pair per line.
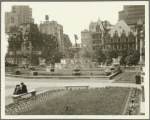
125, 77
109, 101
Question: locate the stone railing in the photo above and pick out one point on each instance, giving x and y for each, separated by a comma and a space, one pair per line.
25, 103
10, 69
129, 68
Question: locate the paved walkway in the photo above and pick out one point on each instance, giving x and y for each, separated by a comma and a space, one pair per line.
48, 84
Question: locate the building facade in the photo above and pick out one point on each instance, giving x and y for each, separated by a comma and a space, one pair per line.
120, 37
53, 28
132, 14
94, 37
86, 38
18, 15
26, 41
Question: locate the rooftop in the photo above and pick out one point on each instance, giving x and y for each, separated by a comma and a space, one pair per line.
120, 27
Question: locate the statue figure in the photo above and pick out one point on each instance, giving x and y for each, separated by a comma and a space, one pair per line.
76, 38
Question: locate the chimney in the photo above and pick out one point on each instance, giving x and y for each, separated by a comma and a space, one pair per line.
46, 17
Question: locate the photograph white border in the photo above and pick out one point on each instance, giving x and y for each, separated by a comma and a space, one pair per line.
146, 116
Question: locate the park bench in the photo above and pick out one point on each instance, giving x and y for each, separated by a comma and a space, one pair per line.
77, 86
16, 97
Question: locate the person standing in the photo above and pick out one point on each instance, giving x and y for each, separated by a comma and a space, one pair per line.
24, 88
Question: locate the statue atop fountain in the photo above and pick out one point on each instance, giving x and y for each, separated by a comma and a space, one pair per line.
76, 38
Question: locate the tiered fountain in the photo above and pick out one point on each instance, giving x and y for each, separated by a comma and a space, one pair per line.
76, 67
82, 67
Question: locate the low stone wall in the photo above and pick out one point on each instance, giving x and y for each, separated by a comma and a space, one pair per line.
10, 69
114, 74
25, 103
129, 68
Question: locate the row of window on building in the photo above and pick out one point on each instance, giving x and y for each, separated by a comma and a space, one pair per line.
20, 53
123, 39
117, 47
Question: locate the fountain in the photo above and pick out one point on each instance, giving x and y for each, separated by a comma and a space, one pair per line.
77, 66
77, 63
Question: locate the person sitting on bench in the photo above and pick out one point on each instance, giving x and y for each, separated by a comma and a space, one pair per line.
17, 90
24, 88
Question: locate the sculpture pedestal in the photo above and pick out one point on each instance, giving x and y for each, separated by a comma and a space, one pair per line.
76, 71
25, 63
141, 64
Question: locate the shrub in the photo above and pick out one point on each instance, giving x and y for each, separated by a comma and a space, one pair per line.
131, 60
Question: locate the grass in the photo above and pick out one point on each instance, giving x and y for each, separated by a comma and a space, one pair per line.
93, 102
125, 77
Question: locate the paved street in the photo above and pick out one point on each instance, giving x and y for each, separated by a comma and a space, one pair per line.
48, 84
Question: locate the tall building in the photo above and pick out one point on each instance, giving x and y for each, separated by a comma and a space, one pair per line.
97, 33
132, 13
18, 15
85, 38
53, 28
94, 37
106, 24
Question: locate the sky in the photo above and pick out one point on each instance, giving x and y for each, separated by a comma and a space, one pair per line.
74, 16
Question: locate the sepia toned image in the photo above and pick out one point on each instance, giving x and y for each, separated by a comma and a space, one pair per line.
75, 60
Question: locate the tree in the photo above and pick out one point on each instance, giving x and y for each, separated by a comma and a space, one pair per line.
52, 56
99, 55
57, 56
86, 52
35, 59
132, 57
112, 53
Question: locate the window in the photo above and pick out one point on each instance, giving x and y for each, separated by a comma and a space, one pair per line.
93, 47
133, 45
11, 46
104, 46
130, 45
93, 36
119, 40
18, 46
10, 52
111, 40
19, 39
126, 39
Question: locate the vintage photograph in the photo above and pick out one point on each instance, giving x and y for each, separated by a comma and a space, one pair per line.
68, 59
